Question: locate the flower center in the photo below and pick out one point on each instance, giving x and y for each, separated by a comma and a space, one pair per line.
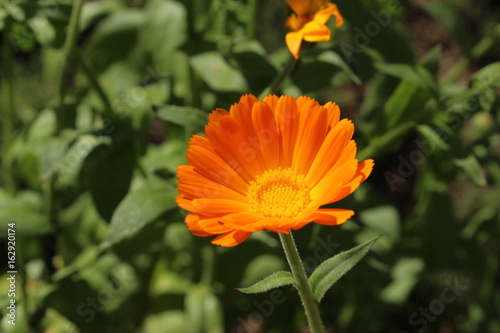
279, 193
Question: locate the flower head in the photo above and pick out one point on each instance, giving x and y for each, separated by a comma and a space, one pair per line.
308, 22
269, 165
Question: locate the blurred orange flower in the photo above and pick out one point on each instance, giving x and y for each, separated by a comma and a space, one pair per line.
269, 165
308, 22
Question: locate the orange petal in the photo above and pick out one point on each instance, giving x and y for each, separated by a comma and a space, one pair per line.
363, 171
315, 32
311, 134
194, 185
293, 41
333, 113
266, 129
332, 216
232, 238
331, 150
244, 221
192, 220
328, 11
287, 117
329, 186
216, 207
230, 141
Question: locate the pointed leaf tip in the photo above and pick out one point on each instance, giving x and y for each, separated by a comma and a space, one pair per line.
331, 270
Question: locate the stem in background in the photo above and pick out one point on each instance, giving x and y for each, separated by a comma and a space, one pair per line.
305, 292
82, 61
7, 110
69, 51
208, 257
252, 19
278, 80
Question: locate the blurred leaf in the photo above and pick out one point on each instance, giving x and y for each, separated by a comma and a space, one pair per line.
107, 172
477, 221
471, 166
185, 116
217, 73
488, 75
175, 320
213, 319
45, 33
25, 210
94, 10
275, 280
170, 18
385, 142
324, 73
405, 275
262, 266
382, 220
194, 303
336, 60
86, 257
115, 38
430, 135
416, 74
138, 209
331, 270
453, 21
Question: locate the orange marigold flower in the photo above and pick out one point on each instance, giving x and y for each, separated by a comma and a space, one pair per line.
308, 22
269, 165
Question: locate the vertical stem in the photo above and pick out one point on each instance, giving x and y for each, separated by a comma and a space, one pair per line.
7, 109
69, 52
278, 80
305, 292
94, 83
208, 257
253, 8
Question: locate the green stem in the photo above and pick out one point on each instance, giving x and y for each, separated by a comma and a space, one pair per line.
69, 49
83, 62
7, 110
252, 19
208, 265
278, 80
305, 292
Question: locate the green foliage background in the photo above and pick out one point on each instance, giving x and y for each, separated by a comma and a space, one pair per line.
98, 105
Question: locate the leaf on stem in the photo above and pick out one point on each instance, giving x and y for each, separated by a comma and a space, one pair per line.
275, 280
326, 274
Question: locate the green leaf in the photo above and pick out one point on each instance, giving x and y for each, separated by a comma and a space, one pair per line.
275, 280
405, 275
430, 135
385, 142
24, 210
183, 115
334, 59
194, 300
107, 172
415, 74
260, 267
329, 271
217, 73
84, 259
138, 209
471, 166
